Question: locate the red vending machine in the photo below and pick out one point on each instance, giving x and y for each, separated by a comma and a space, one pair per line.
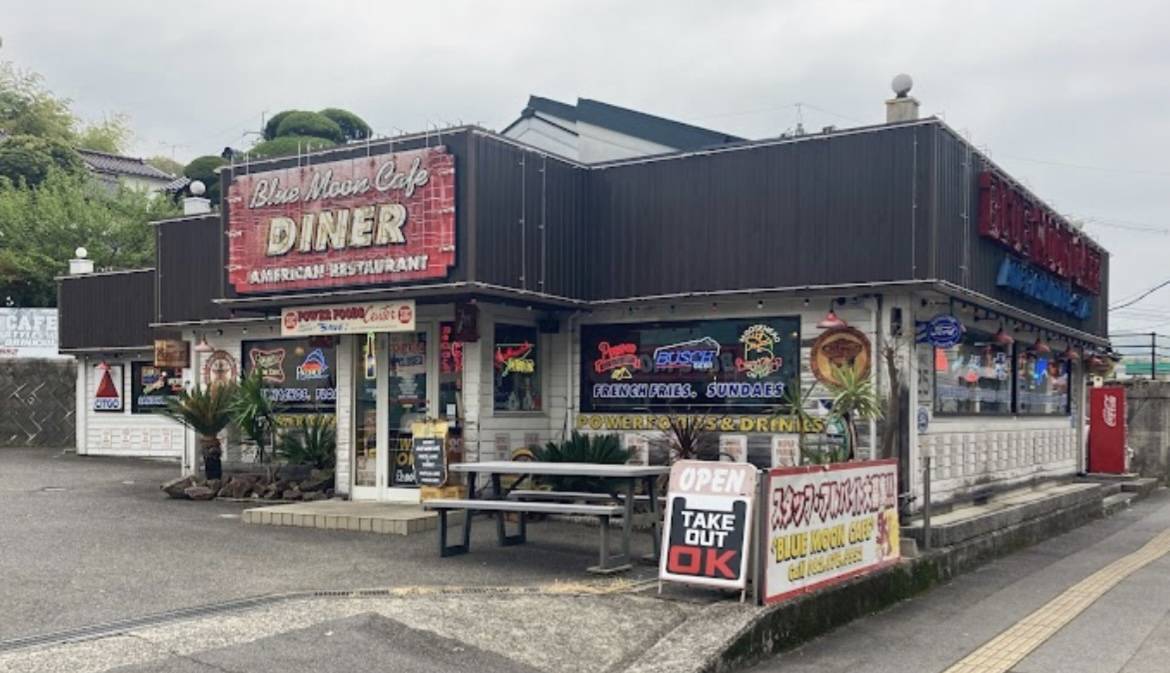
1107, 430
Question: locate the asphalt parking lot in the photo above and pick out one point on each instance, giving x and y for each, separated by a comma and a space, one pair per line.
91, 540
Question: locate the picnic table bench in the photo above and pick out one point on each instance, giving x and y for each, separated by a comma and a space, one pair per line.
620, 502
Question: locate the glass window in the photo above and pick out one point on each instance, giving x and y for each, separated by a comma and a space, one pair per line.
366, 414
973, 377
740, 365
1041, 382
152, 386
515, 363
299, 374
450, 374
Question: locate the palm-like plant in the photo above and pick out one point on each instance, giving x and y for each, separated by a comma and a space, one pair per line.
579, 448
312, 440
854, 399
254, 412
206, 410
795, 408
691, 437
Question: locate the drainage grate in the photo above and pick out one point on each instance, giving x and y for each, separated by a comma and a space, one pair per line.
95, 631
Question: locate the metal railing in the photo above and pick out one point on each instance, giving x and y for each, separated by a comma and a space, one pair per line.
1145, 354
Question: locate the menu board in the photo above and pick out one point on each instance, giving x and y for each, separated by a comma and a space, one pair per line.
717, 366
428, 447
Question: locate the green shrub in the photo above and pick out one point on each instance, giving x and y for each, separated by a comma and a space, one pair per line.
313, 124
312, 440
285, 146
601, 449
203, 169
29, 160
273, 123
352, 126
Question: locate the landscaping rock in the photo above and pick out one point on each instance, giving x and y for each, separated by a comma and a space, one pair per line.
214, 485
241, 488
175, 487
319, 483
328, 493
293, 472
312, 496
292, 494
199, 493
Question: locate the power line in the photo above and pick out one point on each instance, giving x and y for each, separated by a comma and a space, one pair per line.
1141, 296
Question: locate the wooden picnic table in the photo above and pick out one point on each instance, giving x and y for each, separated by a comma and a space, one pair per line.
624, 478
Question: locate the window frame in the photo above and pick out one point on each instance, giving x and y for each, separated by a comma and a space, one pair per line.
538, 375
1011, 404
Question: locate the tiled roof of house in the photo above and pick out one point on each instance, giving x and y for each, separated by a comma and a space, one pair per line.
118, 165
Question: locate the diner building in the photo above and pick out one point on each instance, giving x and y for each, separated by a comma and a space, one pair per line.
520, 295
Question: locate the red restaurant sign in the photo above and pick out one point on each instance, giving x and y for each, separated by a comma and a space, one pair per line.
362, 221
1011, 218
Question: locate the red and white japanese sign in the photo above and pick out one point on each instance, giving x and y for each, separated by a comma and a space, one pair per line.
363, 221
708, 523
375, 316
829, 523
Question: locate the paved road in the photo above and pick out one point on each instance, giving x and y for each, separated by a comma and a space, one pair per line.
1126, 630
89, 540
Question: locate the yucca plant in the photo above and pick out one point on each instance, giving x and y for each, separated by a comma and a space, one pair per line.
690, 437
206, 410
854, 399
254, 412
312, 440
579, 448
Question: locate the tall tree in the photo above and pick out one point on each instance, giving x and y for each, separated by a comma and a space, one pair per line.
40, 228
111, 134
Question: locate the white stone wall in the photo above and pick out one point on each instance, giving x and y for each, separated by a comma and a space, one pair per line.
122, 433
970, 454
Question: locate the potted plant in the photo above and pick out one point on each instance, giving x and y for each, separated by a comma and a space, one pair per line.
206, 410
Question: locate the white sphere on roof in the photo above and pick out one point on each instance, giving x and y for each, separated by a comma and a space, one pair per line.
902, 84
80, 252
197, 188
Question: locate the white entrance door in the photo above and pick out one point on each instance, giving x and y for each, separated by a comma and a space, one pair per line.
392, 390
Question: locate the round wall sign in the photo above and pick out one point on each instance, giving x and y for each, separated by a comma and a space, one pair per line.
943, 331
839, 347
219, 368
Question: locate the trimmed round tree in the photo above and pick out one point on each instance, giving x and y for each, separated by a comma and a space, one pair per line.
352, 126
273, 123
203, 169
284, 146
312, 124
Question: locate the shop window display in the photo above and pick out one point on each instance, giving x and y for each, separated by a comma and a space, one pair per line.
1042, 382
973, 377
516, 368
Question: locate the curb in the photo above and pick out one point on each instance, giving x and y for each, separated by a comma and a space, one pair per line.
784, 626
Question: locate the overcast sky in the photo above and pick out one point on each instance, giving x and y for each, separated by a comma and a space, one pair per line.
1072, 98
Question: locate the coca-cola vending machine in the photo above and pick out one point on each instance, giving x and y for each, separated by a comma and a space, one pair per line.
1107, 430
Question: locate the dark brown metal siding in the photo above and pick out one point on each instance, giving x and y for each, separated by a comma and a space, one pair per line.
838, 209
969, 260
188, 269
106, 310
530, 210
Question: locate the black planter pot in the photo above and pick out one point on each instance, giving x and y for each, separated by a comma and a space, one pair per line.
213, 467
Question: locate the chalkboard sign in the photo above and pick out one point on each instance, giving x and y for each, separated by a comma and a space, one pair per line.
430, 461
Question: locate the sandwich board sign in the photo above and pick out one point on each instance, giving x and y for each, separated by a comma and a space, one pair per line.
708, 524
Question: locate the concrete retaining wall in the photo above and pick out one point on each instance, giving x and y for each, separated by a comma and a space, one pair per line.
1148, 415
37, 403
